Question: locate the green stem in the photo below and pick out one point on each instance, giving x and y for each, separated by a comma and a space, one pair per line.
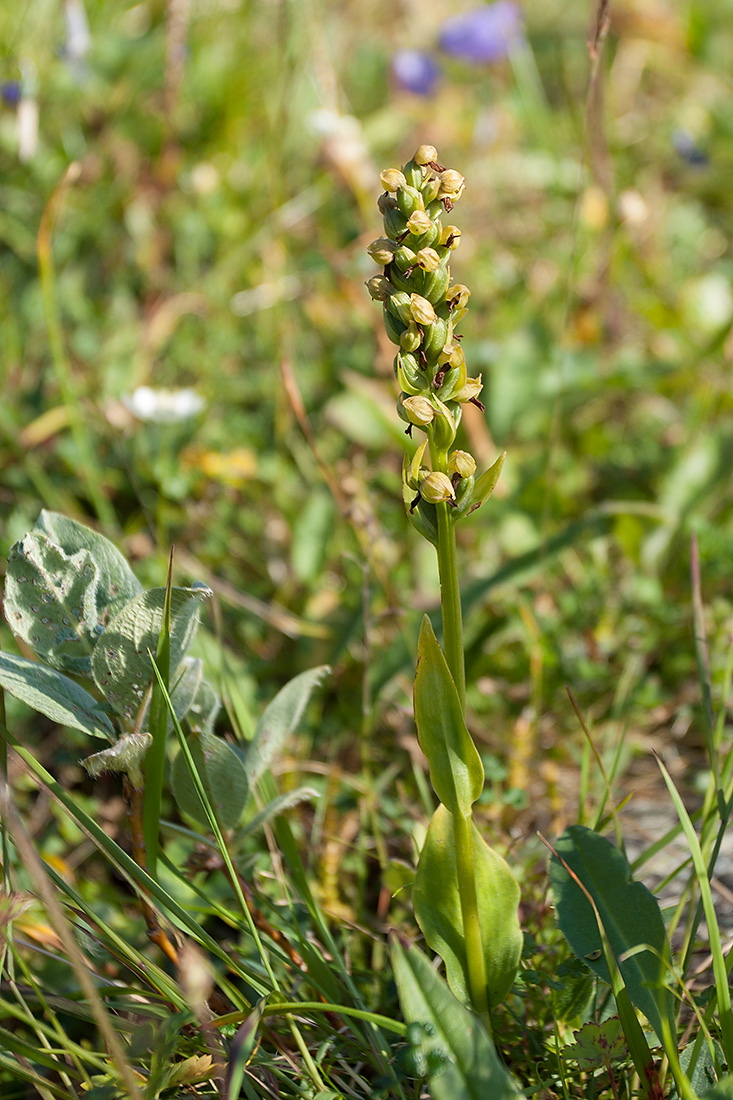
450, 594
463, 841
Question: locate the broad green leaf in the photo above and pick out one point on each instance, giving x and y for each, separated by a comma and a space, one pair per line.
121, 659
630, 914
722, 1091
204, 708
126, 756
51, 604
223, 775
598, 1045
280, 719
117, 583
437, 907
456, 771
486, 484
456, 1051
53, 694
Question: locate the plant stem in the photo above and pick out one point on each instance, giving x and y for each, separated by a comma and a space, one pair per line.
450, 594
463, 841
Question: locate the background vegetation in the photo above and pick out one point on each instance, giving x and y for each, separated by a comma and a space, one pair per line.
194, 215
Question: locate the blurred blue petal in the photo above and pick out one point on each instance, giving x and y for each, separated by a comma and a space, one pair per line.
485, 34
414, 71
688, 149
11, 92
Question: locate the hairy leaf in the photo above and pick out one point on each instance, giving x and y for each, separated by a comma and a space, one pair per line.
53, 694
448, 1039
223, 775
630, 914
437, 907
456, 772
280, 719
117, 583
121, 658
51, 604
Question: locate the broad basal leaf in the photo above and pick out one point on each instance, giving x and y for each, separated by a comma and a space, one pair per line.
630, 914
456, 772
204, 708
121, 662
53, 694
280, 719
51, 602
223, 775
117, 583
455, 1049
436, 901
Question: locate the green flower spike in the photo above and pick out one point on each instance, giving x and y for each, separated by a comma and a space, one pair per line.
422, 309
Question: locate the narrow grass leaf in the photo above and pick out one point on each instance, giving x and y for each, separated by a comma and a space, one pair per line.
630, 915
53, 694
223, 775
437, 905
456, 772
241, 1050
719, 968
158, 728
448, 1038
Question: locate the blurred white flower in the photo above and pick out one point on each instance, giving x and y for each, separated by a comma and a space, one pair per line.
164, 406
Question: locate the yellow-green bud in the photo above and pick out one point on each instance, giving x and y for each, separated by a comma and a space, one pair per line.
471, 389
422, 310
411, 338
419, 223
437, 488
419, 411
451, 184
458, 296
452, 355
392, 179
405, 257
380, 288
450, 237
428, 259
382, 250
461, 463
426, 154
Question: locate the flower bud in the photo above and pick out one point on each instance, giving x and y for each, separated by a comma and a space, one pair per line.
392, 179
444, 426
410, 378
471, 389
410, 200
419, 411
380, 288
411, 338
451, 237
422, 311
400, 306
382, 251
437, 488
451, 184
428, 259
386, 202
405, 257
458, 296
426, 154
461, 463
419, 223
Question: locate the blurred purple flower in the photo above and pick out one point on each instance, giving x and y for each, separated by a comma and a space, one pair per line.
688, 149
485, 34
11, 92
414, 71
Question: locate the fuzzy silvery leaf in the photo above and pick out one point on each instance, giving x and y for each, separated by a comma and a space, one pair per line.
223, 775
186, 687
121, 662
117, 583
280, 719
53, 694
278, 806
204, 708
51, 602
125, 756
